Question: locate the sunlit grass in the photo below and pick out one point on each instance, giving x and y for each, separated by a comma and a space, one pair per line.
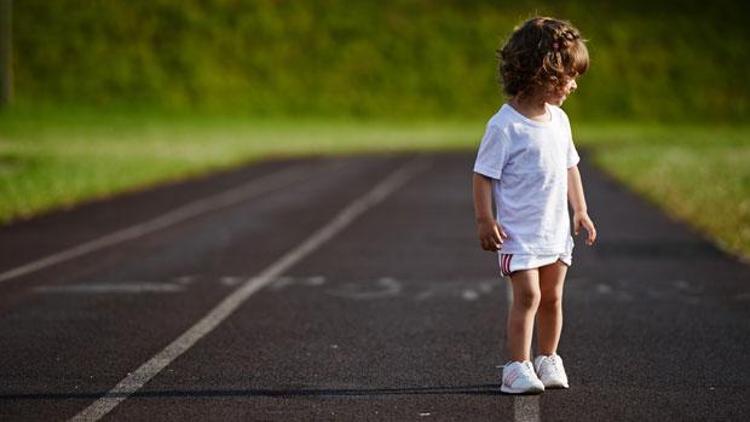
699, 174
60, 162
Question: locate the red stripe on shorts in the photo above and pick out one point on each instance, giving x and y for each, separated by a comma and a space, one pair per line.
506, 264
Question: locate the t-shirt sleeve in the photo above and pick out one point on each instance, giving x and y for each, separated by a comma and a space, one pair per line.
493, 153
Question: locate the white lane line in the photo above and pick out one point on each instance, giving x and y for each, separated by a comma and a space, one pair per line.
192, 209
525, 408
137, 379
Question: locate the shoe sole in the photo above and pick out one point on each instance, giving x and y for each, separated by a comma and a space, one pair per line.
556, 385
510, 390
552, 385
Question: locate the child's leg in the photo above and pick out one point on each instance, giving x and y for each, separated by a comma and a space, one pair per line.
520, 328
549, 318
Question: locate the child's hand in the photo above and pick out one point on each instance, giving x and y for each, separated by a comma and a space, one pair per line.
582, 219
491, 235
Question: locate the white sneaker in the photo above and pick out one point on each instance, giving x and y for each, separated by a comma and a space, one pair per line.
519, 378
551, 371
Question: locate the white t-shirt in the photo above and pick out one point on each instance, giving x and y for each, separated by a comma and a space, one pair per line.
528, 161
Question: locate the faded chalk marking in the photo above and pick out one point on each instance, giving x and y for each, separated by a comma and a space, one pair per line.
231, 280
469, 290
112, 288
283, 282
469, 295
222, 200
137, 379
486, 287
681, 284
603, 289
315, 281
185, 279
386, 287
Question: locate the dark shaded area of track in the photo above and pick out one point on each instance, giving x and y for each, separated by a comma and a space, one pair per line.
399, 317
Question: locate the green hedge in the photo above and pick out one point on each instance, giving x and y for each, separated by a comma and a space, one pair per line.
674, 61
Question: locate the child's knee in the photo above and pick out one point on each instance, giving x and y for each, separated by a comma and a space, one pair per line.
528, 299
551, 301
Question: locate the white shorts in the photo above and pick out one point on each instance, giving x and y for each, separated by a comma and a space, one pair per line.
510, 263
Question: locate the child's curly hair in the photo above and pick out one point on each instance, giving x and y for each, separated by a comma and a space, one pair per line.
539, 54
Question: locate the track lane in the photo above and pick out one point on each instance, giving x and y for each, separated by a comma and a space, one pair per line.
400, 317
76, 346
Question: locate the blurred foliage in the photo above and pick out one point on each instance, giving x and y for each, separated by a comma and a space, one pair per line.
666, 61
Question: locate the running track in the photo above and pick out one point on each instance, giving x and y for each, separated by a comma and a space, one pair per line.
352, 288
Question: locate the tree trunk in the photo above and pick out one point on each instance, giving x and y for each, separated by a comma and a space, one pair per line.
6, 53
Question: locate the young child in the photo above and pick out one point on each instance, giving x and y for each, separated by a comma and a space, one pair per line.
528, 163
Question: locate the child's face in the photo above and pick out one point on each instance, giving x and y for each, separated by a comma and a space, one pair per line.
559, 94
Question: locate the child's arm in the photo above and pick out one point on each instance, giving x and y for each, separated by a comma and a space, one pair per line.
491, 235
578, 202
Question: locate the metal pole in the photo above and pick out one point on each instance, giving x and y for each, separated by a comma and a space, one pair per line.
6, 53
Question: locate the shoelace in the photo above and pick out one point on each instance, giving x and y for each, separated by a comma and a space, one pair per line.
553, 365
554, 362
526, 369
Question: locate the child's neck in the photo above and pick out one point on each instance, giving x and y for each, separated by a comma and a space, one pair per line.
532, 108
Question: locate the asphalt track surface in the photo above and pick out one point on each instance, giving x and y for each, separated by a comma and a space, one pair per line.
394, 313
